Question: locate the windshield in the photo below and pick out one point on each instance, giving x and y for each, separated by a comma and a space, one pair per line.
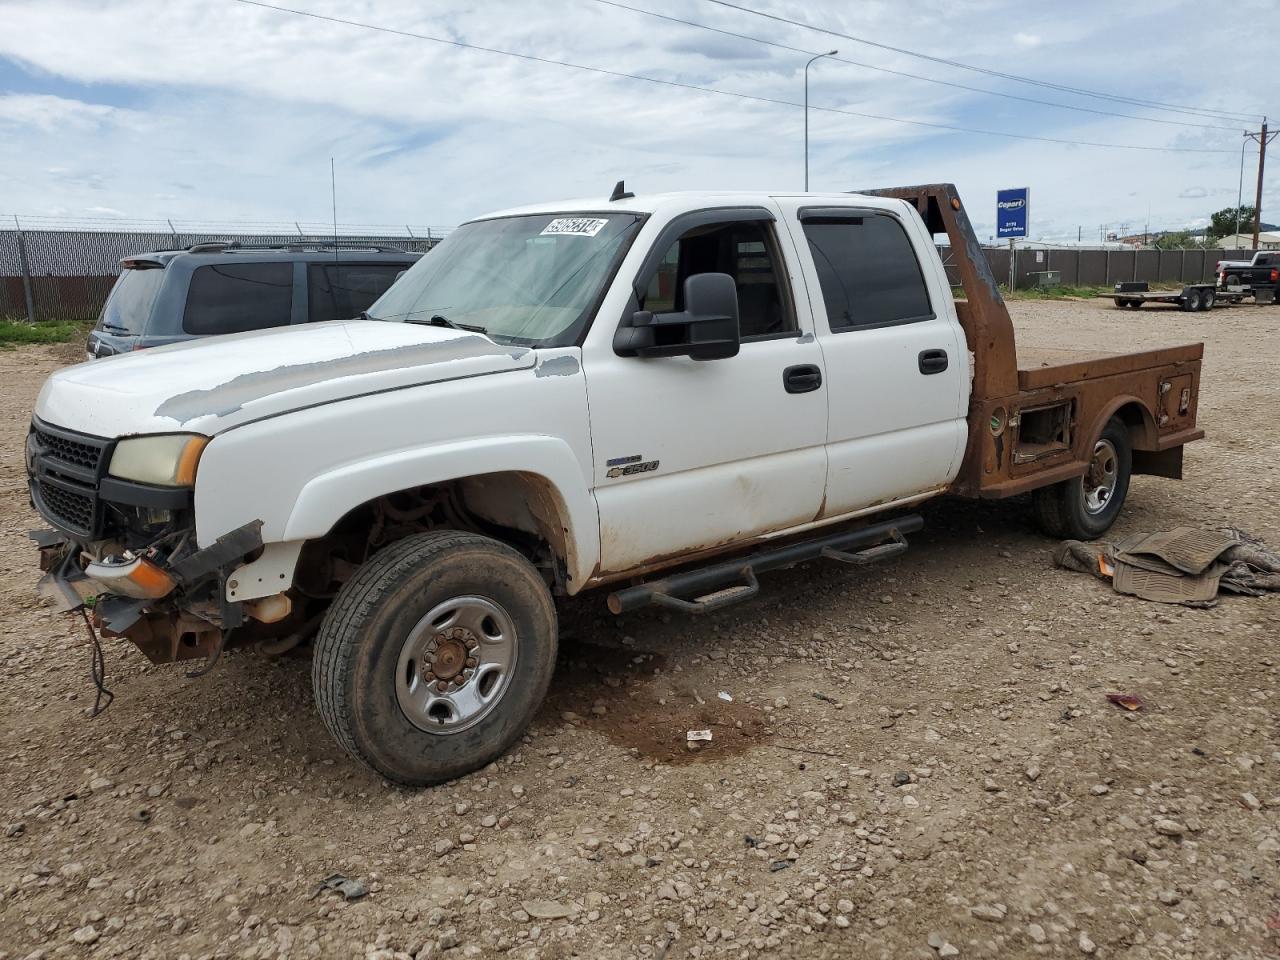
129, 306
530, 280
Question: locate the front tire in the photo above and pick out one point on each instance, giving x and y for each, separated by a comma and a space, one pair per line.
1086, 507
434, 657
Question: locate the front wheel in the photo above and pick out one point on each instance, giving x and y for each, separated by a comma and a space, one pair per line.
435, 656
1086, 507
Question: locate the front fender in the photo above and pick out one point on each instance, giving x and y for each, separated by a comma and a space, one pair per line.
326, 498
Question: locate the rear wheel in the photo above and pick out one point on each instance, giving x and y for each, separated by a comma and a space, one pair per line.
1136, 304
435, 656
1207, 300
1086, 507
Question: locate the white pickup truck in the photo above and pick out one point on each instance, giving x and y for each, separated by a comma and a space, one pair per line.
561, 398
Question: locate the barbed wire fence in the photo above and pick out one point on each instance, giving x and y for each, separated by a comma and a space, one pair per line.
63, 268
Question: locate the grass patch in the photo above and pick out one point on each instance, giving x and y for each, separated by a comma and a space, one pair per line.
1060, 293
14, 332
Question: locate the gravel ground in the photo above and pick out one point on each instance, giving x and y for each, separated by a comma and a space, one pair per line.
918, 761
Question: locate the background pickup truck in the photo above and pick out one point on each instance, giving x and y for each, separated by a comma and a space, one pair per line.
658, 396
1262, 271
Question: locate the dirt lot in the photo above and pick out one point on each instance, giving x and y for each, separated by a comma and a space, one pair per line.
919, 760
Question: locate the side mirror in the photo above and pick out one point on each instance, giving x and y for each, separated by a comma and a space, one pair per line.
707, 329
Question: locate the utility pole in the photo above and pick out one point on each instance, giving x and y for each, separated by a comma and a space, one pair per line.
829, 53
1262, 138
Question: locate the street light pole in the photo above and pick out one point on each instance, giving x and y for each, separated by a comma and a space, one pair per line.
829, 53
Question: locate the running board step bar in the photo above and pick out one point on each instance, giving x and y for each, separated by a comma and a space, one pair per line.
721, 584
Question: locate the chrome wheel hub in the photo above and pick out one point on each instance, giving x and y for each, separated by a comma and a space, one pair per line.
455, 664
1100, 481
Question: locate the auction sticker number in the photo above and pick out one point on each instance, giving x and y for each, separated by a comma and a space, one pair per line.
575, 226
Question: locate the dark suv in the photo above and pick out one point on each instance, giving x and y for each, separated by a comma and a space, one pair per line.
213, 288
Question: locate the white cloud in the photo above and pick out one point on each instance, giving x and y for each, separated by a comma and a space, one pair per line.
253, 103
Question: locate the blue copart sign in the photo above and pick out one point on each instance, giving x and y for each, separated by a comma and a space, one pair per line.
1011, 212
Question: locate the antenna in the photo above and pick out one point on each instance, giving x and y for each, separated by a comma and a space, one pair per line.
333, 196
620, 192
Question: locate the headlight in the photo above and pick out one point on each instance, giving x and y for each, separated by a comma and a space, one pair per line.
167, 460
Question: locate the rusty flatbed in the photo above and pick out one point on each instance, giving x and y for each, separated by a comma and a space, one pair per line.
1040, 367
1035, 419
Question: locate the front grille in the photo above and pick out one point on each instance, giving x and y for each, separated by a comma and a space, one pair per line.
74, 511
64, 468
80, 453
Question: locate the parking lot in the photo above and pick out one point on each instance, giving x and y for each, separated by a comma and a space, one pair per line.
918, 760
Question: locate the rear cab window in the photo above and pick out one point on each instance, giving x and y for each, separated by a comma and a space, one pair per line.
235, 297
867, 268
129, 305
339, 291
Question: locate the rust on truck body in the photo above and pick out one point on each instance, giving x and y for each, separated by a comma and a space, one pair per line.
1035, 423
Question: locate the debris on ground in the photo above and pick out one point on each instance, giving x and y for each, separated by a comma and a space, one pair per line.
1183, 565
1130, 701
726, 697
350, 889
695, 735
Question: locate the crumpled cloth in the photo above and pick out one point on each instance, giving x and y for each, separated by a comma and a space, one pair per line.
1184, 565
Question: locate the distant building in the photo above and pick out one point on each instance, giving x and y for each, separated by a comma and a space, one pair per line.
1267, 240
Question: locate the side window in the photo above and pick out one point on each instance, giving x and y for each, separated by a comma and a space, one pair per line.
234, 297
868, 271
338, 291
744, 251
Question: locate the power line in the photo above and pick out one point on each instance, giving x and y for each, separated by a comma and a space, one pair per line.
704, 89
1153, 104
903, 73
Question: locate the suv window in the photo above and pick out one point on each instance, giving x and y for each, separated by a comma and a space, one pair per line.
868, 271
234, 297
128, 308
338, 291
744, 251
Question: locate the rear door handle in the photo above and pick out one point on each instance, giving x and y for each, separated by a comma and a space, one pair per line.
933, 361
802, 378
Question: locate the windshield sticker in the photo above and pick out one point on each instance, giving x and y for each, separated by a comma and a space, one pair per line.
575, 226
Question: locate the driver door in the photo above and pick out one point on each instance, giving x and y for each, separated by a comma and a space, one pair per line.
690, 455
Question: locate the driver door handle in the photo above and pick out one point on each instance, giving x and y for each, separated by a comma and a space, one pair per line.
802, 378
932, 361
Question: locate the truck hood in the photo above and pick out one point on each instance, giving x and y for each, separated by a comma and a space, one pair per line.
206, 386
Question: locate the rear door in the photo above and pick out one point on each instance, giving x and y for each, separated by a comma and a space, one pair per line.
897, 364
691, 454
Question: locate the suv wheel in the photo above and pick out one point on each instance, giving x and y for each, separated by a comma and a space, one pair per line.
435, 656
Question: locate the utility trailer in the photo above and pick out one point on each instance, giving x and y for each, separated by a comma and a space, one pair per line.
1192, 296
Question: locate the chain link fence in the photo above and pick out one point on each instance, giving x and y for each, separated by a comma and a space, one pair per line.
60, 274
1083, 267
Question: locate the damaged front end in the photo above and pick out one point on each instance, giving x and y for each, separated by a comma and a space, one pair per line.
124, 546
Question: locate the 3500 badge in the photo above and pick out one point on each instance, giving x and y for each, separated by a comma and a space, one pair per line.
629, 466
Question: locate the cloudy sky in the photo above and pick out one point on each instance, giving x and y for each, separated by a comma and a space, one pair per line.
215, 110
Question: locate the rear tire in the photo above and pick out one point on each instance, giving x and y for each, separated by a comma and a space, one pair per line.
434, 657
1086, 507
1207, 300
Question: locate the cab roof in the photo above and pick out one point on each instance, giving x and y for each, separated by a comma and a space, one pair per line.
682, 200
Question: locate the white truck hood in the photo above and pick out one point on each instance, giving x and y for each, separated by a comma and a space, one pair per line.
210, 385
